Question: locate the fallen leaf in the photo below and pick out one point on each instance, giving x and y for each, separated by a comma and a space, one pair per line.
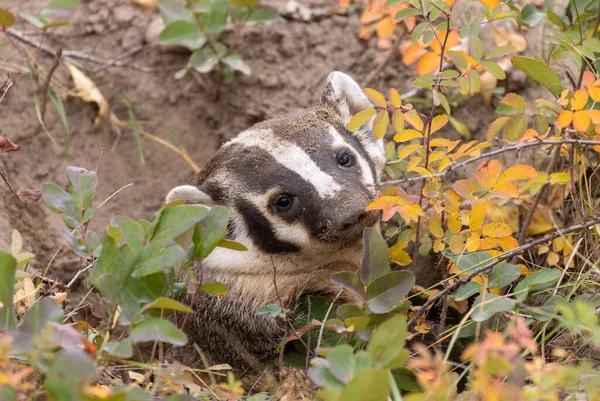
29, 196
6, 145
87, 90
147, 5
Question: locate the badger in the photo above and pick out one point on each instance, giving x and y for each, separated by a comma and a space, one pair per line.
296, 188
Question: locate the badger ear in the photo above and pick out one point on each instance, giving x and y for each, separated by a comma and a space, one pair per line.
190, 194
343, 94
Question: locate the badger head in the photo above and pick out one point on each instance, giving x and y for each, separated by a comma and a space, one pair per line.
296, 186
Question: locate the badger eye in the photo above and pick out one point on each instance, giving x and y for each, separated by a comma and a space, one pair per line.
282, 203
345, 159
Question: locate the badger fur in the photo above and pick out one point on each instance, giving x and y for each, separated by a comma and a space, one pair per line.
296, 188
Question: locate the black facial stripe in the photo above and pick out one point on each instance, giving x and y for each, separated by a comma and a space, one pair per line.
260, 230
357, 146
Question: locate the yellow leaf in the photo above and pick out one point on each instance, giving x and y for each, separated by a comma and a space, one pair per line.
579, 100
560, 178
435, 227
477, 217
428, 63
435, 156
515, 102
399, 255
394, 97
398, 121
542, 249
594, 116
558, 244
508, 243
414, 162
454, 224
387, 204
17, 243
443, 142
525, 271
409, 149
487, 173
490, 3
411, 52
473, 242
539, 225
594, 91
87, 90
422, 171
581, 121
497, 230
438, 245
564, 119
407, 135
375, 97
380, 124
505, 190
552, 259
360, 118
438, 122
410, 212
456, 243
518, 172
413, 119
59, 297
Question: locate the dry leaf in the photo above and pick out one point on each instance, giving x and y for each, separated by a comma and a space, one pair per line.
6, 145
29, 196
147, 5
87, 90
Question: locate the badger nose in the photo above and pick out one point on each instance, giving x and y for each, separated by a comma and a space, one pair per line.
353, 219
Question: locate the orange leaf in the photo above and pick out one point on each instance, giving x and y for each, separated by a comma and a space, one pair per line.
477, 217
564, 119
497, 230
518, 172
380, 124
385, 28
413, 119
412, 52
430, 62
580, 98
594, 115
505, 190
387, 204
581, 121
375, 97
594, 91
487, 175
394, 98
377, 5
398, 121
465, 188
408, 150
490, 3
452, 41
588, 78
438, 122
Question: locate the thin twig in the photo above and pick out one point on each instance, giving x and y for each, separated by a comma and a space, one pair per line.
520, 146
465, 279
6, 84
45, 88
326, 317
79, 273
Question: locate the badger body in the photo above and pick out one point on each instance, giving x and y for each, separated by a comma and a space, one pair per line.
296, 188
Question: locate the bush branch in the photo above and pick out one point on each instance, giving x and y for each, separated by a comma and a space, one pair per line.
465, 279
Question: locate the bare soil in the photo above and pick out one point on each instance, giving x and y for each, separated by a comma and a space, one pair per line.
289, 61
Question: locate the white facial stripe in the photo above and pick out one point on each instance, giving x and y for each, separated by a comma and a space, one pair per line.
339, 142
292, 157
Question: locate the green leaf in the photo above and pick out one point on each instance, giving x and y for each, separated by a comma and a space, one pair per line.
156, 257
466, 291
204, 60
111, 269
501, 51
121, 349
461, 128
407, 12
60, 110
60, 201
8, 267
515, 127
349, 310
539, 72
132, 232
349, 281
418, 31
466, 262
386, 292
236, 63
486, 305
495, 127
531, 16
341, 362
322, 376
35, 21
263, 15
376, 260
243, 3
214, 21
269, 309
174, 10
167, 303
40, 314
474, 80
370, 385
228, 244
6, 18
210, 231
69, 369
535, 282
388, 340
182, 33
214, 287
459, 59
494, 69
177, 220
157, 330
477, 49
503, 274
58, 12
8, 393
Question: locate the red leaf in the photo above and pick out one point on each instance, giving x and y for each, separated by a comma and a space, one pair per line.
6, 145
29, 196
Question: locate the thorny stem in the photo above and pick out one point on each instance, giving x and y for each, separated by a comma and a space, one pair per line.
475, 272
517, 147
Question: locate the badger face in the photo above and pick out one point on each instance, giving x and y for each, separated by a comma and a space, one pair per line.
296, 186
